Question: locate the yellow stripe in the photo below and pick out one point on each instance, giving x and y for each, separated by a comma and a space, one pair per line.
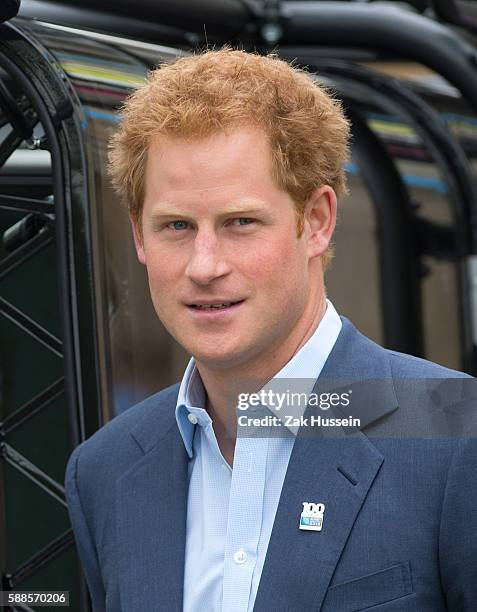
392, 128
101, 74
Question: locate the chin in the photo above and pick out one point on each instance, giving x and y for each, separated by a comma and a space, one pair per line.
214, 359
217, 359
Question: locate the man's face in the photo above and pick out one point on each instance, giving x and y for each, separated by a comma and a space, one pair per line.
216, 230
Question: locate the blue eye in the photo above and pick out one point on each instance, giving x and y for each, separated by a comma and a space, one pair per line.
244, 220
178, 225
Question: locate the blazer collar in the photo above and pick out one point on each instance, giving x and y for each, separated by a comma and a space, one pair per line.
359, 365
156, 422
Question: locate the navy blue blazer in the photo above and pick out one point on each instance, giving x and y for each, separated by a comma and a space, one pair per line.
400, 526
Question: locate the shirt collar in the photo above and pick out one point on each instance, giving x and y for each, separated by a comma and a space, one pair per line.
305, 365
191, 400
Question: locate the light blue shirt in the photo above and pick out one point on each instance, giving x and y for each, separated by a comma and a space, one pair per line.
230, 512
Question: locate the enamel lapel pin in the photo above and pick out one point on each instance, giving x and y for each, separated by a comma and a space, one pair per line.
311, 518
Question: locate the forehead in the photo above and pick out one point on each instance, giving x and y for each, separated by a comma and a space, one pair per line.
241, 153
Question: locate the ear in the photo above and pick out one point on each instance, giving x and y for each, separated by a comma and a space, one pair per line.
320, 220
138, 241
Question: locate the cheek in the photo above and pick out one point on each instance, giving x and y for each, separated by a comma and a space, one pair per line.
163, 267
162, 284
159, 276
285, 260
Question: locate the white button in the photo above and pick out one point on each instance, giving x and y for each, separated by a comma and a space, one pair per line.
240, 556
192, 418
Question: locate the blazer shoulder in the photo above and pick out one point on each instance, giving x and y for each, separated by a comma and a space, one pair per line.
156, 413
407, 366
355, 355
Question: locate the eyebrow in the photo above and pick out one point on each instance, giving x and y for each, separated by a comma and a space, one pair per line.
164, 210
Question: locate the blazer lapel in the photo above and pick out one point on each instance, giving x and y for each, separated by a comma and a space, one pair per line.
300, 564
335, 468
152, 506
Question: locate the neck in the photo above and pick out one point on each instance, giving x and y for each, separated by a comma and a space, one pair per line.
221, 385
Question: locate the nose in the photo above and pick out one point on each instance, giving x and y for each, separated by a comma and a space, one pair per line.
206, 262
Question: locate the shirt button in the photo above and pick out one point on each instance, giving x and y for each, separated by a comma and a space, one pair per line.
240, 556
192, 418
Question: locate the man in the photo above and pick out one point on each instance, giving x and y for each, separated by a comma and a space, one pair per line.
231, 164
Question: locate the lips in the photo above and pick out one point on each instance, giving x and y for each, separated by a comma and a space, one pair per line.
215, 305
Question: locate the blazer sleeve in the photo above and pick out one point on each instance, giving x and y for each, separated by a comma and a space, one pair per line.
84, 542
458, 530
